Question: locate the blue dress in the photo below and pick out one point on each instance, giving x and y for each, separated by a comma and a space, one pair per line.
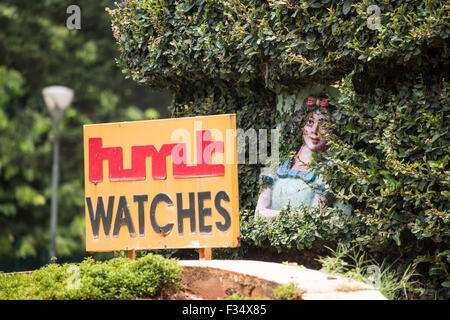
296, 188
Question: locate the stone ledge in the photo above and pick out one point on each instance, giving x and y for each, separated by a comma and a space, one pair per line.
214, 279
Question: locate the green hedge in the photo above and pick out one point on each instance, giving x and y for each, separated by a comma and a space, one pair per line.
390, 137
170, 43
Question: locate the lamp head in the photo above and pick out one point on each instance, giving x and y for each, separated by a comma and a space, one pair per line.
57, 97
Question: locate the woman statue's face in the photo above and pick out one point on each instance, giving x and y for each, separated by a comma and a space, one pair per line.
313, 131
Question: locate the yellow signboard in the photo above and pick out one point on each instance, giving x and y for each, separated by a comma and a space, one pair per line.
160, 184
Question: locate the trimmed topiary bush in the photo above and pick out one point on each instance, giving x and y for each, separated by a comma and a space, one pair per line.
389, 143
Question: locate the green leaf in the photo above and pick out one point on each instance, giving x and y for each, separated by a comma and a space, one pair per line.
347, 6
396, 238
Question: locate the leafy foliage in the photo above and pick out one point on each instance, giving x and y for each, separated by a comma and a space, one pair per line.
389, 142
118, 278
300, 228
391, 152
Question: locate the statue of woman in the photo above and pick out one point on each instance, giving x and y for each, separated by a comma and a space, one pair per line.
293, 183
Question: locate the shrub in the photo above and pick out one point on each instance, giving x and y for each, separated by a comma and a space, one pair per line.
118, 278
288, 291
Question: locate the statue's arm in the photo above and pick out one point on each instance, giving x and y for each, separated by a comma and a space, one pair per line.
264, 205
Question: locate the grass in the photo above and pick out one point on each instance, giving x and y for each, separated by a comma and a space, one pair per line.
393, 282
348, 287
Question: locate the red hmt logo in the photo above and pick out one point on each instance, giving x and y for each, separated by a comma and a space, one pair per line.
114, 155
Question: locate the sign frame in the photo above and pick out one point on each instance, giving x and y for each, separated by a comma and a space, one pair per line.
179, 175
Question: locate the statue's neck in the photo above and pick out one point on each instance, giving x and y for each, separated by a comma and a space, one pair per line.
303, 159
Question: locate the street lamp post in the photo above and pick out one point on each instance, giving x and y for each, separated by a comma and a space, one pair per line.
57, 99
